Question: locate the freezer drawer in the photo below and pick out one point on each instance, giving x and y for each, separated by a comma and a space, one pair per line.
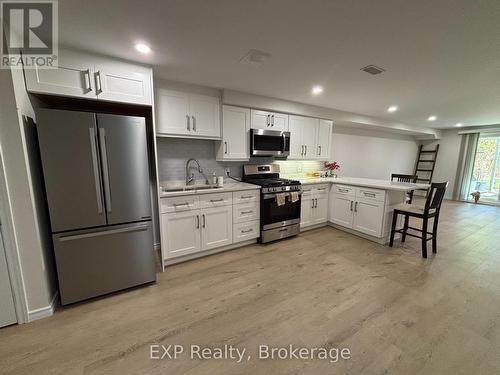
92, 263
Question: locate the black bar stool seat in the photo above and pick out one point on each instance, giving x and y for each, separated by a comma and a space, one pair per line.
431, 209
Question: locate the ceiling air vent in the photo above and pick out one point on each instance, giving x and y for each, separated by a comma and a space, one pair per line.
372, 69
255, 57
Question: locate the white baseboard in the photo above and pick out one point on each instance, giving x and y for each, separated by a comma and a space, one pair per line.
171, 261
43, 312
315, 226
382, 240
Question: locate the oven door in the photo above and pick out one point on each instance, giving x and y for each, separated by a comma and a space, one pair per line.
274, 216
269, 143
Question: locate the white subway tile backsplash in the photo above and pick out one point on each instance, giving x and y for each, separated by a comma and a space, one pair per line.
173, 154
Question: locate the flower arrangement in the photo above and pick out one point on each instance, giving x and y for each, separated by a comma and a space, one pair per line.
476, 195
331, 167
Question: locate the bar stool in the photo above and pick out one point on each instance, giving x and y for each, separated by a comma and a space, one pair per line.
410, 178
431, 209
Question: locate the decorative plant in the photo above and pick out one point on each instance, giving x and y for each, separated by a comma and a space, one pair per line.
332, 166
476, 195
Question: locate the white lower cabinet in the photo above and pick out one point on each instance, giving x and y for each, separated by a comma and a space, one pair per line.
181, 233
314, 206
368, 217
245, 231
341, 210
195, 223
359, 209
216, 227
320, 210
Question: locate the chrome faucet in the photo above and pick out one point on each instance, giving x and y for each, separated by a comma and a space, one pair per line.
190, 178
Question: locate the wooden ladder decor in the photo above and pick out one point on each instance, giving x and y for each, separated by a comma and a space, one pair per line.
425, 164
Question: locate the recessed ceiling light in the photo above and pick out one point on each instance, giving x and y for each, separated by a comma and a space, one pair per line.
459, 124
316, 90
392, 108
143, 48
432, 118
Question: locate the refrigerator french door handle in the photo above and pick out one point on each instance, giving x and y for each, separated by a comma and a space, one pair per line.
103, 233
105, 169
95, 167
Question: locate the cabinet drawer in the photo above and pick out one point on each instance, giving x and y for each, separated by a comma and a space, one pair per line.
321, 190
372, 194
246, 212
216, 200
179, 204
247, 196
307, 191
245, 231
343, 189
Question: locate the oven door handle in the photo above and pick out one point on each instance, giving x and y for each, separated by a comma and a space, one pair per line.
273, 195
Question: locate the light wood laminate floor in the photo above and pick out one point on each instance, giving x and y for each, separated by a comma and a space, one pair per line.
396, 312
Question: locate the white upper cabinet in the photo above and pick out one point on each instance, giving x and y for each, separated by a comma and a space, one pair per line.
74, 77
205, 115
268, 120
187, 115
310, 138
324, 139
235, 134
296, 145
303, 137
122, 82
84, 75
172, 112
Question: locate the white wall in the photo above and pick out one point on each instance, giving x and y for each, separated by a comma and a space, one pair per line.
370, 154
34, 252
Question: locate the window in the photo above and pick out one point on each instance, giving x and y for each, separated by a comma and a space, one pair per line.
486, 171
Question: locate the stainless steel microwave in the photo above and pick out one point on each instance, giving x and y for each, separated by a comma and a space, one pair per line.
269, 143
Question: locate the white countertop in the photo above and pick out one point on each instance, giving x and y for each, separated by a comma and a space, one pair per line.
228, 187
365, 182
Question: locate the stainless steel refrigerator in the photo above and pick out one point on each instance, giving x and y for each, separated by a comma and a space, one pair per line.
97, 182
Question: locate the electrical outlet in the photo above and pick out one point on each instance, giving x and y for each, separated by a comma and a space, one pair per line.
227, 171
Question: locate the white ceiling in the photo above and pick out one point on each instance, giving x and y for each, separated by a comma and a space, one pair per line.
442, 56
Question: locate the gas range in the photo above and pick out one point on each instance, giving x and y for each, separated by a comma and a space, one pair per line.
279, 204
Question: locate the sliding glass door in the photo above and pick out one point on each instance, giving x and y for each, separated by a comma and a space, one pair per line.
486, 171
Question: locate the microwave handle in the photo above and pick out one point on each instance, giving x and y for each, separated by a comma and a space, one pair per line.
283, 143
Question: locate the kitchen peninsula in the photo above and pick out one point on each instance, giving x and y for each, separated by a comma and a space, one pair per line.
360, 206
